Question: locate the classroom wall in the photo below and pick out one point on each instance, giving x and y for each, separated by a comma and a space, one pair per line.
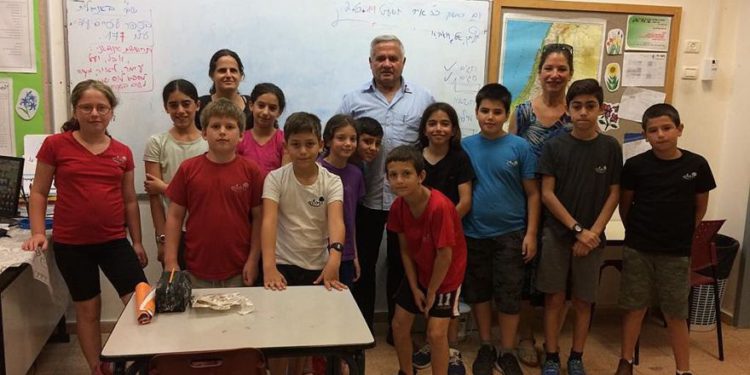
711, 111
731, 198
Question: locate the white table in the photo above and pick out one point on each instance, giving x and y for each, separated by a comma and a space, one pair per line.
30, 314
298, 321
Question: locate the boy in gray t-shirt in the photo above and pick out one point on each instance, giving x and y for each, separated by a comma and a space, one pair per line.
580, 190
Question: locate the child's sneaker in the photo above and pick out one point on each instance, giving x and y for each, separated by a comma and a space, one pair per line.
421, 358
624, 368
575, 367
551, 367
508, 364
485, 360
456, 363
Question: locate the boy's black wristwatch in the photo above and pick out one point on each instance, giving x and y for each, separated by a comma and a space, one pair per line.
577, 228
338, 246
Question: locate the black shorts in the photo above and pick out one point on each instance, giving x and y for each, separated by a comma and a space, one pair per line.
79, 266
445, 306
296, 276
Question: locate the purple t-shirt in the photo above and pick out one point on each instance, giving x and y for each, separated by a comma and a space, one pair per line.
267, 156
354, 190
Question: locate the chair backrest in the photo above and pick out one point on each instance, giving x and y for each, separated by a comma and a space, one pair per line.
703, 251
232, 362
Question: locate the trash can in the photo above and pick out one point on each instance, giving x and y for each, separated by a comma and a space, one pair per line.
702, 312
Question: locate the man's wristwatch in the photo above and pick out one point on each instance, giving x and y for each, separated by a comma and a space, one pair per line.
161, 238
577, 228
338, 246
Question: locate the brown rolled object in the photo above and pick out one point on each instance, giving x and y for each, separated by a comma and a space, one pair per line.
145, 303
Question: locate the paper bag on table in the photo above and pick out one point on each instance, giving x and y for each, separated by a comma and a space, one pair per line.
145, 303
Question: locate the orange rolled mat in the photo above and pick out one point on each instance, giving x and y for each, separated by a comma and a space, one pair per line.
145, 303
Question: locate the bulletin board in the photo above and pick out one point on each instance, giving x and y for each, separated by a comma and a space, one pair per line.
630, 49
22, 122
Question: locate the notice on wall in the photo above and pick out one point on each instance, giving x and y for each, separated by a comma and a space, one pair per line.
636, 100
633, 144
7, 126
648, 33
644, 69
17, 52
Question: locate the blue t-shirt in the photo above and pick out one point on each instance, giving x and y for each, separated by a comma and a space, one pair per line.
498, 203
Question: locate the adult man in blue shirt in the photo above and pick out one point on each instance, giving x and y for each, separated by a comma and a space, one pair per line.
397, 105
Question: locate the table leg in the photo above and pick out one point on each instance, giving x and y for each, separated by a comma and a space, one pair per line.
119, 368
355, 360
60, 334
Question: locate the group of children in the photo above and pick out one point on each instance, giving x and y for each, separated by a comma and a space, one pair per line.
235, 206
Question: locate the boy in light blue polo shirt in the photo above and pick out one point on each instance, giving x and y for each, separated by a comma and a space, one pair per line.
501, 228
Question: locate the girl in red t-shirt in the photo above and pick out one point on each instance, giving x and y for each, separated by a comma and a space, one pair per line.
96, 201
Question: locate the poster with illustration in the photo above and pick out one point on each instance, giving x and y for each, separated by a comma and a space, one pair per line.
614, 42
610, 117
28, 104
612, 77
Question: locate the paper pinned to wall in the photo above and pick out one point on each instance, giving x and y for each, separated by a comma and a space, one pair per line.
31, 145
644, 69
633, 144
636, 100
17, 52
7, 125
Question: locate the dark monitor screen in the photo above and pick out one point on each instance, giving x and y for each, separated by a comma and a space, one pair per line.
11, 174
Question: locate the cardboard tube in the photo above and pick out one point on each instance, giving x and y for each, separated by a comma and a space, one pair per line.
145, 303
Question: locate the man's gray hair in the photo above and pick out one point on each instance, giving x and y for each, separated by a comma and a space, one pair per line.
386, 38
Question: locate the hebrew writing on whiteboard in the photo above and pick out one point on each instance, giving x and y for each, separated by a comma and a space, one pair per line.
314, 50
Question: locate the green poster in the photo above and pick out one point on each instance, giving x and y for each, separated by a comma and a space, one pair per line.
648, 33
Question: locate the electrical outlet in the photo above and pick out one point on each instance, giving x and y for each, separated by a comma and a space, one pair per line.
692, 46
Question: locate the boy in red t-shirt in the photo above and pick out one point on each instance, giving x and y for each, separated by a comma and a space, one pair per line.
220, 193
433, 250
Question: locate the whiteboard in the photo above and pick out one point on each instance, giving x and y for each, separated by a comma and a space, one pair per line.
315, 50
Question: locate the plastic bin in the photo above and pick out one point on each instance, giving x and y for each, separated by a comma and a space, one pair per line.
702, 312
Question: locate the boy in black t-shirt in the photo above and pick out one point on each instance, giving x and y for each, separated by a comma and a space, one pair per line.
664, 197
580, 188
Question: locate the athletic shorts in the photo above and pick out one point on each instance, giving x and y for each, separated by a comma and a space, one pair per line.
296, 276
445, 306
80, 264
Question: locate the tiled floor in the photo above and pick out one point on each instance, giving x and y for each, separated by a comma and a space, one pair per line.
602, 352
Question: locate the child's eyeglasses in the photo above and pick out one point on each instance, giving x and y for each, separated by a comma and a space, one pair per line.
553, 47
100, 109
